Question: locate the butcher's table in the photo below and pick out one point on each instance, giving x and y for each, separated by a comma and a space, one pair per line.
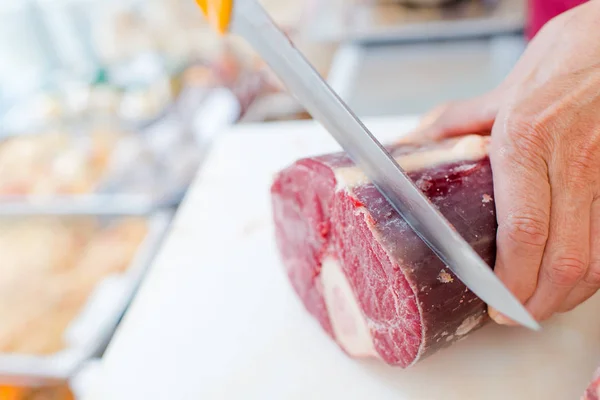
216, 318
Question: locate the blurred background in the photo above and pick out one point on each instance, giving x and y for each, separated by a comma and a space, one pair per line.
108, 108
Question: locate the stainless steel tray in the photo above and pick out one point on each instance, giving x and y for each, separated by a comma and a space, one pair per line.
411, 79
389, 21
89, 333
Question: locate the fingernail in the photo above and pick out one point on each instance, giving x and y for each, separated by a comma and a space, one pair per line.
499, 318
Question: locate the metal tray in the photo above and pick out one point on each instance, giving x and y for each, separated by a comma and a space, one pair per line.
92, 329
382, 21
411, 79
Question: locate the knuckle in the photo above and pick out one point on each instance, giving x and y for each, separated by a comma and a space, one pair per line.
531, 134
566, 271
586, 157
582, 168
576, 169
526, 229
528, 137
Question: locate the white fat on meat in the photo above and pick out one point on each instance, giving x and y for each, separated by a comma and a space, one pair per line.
468, 325
348, 323
468, 148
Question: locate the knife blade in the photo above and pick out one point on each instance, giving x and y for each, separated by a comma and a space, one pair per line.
252, 22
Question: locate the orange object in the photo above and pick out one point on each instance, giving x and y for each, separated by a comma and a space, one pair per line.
58, 392
10, 393
218, 13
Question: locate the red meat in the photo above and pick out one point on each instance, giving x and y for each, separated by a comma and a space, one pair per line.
362, 272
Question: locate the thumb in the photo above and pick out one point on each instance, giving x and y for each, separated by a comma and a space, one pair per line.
457, 118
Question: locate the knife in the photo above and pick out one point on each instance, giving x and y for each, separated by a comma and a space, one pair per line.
249, 20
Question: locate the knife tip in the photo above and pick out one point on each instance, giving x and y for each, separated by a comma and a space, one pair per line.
515, 315
522, 318
533, 325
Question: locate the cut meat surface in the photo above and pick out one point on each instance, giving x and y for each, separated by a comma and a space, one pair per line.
361, 271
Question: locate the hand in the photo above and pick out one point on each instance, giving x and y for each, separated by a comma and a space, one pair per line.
544, 121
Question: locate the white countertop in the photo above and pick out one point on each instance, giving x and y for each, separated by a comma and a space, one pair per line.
217, 319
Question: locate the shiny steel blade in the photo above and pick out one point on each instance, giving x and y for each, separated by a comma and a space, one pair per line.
253, 23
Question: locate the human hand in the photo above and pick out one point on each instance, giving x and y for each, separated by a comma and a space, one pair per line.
544, 121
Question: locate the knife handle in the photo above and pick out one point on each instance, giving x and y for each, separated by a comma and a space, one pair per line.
218, 13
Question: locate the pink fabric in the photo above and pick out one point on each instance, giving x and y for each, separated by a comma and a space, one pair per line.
542, 11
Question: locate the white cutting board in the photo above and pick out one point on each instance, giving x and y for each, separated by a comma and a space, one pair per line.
217, 319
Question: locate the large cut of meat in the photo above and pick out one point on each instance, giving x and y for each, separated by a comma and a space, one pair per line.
360, 270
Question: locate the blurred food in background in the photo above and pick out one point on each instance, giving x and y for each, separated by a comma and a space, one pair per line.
107, 110
54, 163
65, 283
122, 108
50, 266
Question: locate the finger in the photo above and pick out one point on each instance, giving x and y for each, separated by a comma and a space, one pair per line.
522, 194
458, 118
566, 256
591, 281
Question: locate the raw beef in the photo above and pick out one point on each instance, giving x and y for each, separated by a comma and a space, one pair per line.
362, 272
